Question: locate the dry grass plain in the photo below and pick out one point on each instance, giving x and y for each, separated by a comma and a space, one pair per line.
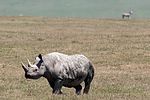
119, 50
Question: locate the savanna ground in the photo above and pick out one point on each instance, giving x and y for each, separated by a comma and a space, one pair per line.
119, 50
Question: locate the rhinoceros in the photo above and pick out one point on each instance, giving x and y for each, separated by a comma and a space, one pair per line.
62, 70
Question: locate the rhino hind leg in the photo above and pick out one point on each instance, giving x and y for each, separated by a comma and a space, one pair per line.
88, 80
87, 85
78, 89
57, 86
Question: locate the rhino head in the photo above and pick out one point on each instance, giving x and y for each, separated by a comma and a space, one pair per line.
36, 70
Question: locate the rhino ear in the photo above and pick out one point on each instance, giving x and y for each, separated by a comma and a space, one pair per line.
40, 56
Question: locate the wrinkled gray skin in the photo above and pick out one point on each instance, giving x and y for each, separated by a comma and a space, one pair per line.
62, 70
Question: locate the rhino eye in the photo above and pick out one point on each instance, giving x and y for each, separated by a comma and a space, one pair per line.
35, 70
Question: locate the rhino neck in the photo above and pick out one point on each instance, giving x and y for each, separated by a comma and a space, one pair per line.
46, 73
49, 78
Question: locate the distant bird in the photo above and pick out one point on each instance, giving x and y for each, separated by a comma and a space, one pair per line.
127, 14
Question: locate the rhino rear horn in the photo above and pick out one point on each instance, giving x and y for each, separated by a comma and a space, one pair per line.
29, 63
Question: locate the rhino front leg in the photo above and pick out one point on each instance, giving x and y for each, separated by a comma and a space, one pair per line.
57, 86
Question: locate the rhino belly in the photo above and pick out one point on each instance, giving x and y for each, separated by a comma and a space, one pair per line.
73, 82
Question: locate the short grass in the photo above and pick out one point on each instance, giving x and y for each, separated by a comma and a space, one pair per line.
119, 50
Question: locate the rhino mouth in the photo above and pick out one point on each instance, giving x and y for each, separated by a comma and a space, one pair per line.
28, 76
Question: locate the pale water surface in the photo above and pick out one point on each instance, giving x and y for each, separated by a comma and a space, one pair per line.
75, 8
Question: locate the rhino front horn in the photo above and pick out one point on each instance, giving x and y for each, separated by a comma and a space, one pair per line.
24, 67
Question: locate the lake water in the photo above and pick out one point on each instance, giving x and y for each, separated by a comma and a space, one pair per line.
75, 8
